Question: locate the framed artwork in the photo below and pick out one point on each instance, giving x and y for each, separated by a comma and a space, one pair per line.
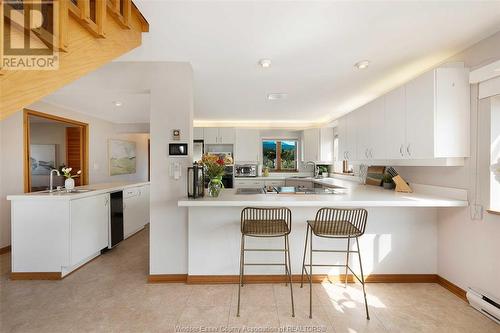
43, 159
122, 157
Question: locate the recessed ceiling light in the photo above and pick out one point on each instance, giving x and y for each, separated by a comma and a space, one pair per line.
117, 103
276, 96
265, 63
362, 64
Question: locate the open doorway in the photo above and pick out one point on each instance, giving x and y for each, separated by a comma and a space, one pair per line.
53, 142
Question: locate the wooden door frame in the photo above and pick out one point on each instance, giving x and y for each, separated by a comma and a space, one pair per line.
85, 133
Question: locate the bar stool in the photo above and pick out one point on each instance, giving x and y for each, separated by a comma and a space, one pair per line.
335, 223
266, 222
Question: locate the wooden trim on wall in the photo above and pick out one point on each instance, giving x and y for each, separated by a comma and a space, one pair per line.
453, 288
36, 276
85, 132
167, 278
5, 249
317, 278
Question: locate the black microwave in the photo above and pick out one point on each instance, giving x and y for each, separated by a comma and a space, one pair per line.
177, 149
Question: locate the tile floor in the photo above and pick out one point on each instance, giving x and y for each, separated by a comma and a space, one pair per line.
111, 295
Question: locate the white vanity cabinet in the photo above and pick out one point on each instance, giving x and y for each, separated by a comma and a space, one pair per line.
135, 209
89, 220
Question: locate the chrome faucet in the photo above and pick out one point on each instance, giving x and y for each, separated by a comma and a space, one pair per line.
51, 179
315, 170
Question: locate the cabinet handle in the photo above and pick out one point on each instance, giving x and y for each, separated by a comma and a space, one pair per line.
401, 150
348, 155
366, 152
408, 150
371, 152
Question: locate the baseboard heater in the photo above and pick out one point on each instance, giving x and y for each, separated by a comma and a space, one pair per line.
485, 304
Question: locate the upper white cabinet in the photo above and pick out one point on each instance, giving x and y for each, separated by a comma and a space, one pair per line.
425, 122
370, 123
198, 133
318, 145
395, 123
347, 133
247, 145
216, 135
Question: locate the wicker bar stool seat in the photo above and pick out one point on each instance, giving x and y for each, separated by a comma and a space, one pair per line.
334, 229
262, 223
262, 228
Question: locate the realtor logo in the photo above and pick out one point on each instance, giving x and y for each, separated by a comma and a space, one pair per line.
30, 35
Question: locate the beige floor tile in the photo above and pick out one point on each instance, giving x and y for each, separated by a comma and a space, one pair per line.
111, 294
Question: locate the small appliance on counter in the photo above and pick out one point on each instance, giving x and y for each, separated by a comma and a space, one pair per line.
195, 181
245, 170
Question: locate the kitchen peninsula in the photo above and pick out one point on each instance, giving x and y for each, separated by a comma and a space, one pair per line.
54, 233
401, 234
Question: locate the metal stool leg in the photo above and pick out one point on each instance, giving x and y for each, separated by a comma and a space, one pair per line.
347, 260
304, 258
287, 253
362, 279
310, 274
242, 255
286, 262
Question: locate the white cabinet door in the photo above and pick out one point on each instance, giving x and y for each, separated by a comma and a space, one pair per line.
226, 135
131, 211
395, 124
420, 95
326, 145
376, 144
211, 135
351, 135
247, 145
311, 144
342, 135
198, 133
89, 219
362, 125
144, 199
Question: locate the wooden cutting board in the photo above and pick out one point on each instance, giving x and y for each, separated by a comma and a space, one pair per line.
375, 175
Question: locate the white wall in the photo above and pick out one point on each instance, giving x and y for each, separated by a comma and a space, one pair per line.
171, 108
100, 131
468, 250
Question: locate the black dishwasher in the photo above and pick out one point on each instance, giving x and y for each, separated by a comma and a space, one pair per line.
116, 218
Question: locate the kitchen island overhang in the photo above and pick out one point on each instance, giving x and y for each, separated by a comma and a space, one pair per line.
400, 238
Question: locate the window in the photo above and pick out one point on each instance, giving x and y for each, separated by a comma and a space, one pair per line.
280, 155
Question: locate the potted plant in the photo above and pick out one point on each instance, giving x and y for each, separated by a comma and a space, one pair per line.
214, 170
387, 181
69, 183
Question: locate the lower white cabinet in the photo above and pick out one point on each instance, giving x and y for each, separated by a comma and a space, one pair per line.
88, 227
135, 209
248, 183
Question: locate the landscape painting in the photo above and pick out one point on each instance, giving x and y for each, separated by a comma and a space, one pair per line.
43, 159
122, 157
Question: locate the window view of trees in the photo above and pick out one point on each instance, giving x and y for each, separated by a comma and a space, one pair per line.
280, 155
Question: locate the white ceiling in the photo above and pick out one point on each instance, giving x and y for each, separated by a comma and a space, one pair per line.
313, 46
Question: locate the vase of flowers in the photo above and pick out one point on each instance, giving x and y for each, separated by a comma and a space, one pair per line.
69, 183
214, 170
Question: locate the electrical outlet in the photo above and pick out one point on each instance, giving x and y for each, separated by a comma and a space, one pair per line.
476, 211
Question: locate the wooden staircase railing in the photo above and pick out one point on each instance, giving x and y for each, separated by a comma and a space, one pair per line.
110, 29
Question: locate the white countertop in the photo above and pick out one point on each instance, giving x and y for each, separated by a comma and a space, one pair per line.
354, 195
96, 189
